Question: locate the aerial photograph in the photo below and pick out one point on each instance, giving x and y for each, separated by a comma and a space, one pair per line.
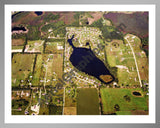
80, 63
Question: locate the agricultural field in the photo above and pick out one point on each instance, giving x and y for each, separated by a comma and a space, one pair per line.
18, 45
70, 111
22, 68
87, 102
37, 70
18, 42
122, 101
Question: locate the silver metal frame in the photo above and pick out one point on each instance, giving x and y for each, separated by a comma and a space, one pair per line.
4, 2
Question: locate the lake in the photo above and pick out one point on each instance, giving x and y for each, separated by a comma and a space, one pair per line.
86, 61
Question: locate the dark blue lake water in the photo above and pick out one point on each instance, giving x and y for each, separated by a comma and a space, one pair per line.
86, 61
18, 28
38, 13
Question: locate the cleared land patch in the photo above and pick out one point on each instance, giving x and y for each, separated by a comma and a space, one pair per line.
18, 42
70, 111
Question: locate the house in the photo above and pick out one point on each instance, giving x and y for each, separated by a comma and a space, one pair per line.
35, 108
59, 47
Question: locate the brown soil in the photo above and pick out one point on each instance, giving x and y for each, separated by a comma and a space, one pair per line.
70, 111
17, 42
140, 112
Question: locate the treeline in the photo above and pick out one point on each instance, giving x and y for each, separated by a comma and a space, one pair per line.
58, 28
33, 33
145, 43
108, 32
50, 16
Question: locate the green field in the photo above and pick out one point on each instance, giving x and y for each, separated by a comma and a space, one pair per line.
17, 47
37, 70
87, 102
112, 96
22, 67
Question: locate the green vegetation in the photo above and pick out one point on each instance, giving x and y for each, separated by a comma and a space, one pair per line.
17, 47
113, 96
44, 109
33, 33
37, 70
55, 110
18, 106
87, 101
70, 97
19, 36
108, 32
58, 28
50, 16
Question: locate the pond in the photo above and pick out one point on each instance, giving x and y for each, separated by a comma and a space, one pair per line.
86, 61
137, 93
38, 13
18, 29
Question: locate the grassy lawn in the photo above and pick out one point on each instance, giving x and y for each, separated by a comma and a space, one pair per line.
17, 47
113, 96
87, 102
